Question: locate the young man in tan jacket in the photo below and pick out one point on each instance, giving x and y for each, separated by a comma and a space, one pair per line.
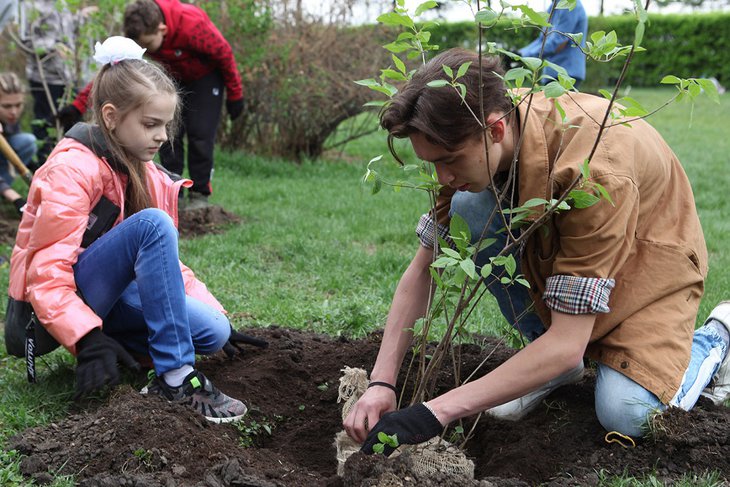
619, 282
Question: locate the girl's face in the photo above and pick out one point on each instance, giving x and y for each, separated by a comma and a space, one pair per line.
11, 107
143, 130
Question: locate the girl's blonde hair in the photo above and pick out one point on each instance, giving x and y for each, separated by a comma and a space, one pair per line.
128, 85
10, 84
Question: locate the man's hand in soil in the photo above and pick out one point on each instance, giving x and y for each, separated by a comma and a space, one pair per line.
412, 425
368, 410
97, 357
236, 341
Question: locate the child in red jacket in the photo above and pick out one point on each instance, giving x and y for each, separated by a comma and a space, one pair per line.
183, 39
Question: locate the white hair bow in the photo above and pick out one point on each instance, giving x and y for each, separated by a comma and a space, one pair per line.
117, 48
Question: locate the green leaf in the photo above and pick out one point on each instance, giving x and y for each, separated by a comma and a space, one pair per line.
397, 46
399, 65
443, 262
486, 16
517, 73
425, 6
694, 90
606, 94
377, 186
510, 265
670, 80
583, 199
532, 63
393, 74
534, 202
367, 82
639, 33
522, 281
604, 193
449, 72
378, 448
709, 88
468, 266
561, 111
436, 277
537, 18
553, 90
450, 252
437, 83
383, 437
377, 104
459, 227
585, 170
486, 271
394, 19
464, 68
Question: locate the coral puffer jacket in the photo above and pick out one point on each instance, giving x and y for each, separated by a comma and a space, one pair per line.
48, 243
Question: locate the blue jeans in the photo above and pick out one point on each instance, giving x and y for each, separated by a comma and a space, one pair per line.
24, 146
131, 278
621, 404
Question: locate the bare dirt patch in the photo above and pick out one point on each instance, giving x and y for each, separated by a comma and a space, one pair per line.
287, 437
133, 440
201, 221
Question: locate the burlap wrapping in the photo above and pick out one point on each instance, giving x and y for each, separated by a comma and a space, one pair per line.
435, 455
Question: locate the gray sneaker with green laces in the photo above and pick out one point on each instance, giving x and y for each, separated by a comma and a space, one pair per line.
200, 394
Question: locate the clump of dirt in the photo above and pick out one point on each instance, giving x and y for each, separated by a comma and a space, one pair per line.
202, 221
287, 437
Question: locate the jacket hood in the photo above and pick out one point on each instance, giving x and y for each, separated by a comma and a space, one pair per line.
93, 138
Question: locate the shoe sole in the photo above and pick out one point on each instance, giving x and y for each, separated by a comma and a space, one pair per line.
231, 419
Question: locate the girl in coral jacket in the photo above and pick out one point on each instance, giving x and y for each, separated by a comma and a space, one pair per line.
101, 292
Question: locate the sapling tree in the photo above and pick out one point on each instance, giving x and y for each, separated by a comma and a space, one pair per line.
458, 284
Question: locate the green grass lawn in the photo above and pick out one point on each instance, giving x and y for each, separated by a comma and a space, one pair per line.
316, 251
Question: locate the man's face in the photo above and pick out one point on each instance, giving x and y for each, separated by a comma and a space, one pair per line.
464, 169
152, 42
11, 107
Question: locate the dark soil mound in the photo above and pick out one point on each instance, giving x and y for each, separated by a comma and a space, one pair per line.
201, 221
291, 390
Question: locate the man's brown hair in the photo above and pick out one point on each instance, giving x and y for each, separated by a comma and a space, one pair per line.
142, 17
439, 113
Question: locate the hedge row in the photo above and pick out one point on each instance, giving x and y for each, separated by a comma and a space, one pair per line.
695, 45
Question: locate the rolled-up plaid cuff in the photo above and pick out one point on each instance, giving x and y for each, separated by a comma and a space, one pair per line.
425, 233
578, 295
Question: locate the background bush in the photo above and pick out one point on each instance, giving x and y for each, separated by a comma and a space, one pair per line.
298, 71
695, 45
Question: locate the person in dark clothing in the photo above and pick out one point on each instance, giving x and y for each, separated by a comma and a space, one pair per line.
185, 41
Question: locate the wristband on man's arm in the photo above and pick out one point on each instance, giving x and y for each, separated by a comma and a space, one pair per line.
384, 384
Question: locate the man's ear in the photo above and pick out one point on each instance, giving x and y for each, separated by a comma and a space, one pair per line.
109, 116
497, 126
162, 29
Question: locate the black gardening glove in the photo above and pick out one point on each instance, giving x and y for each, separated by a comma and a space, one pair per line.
20, 205
237, 340
412, 425
235, 108
97, 357
68, 116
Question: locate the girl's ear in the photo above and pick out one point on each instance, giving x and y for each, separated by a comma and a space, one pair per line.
109, 116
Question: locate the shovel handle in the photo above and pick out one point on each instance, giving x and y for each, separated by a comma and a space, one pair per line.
11, 156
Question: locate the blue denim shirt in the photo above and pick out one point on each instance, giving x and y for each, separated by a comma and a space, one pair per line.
570, 57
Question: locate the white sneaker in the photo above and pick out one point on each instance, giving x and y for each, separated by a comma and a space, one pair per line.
518, 408
719, 389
